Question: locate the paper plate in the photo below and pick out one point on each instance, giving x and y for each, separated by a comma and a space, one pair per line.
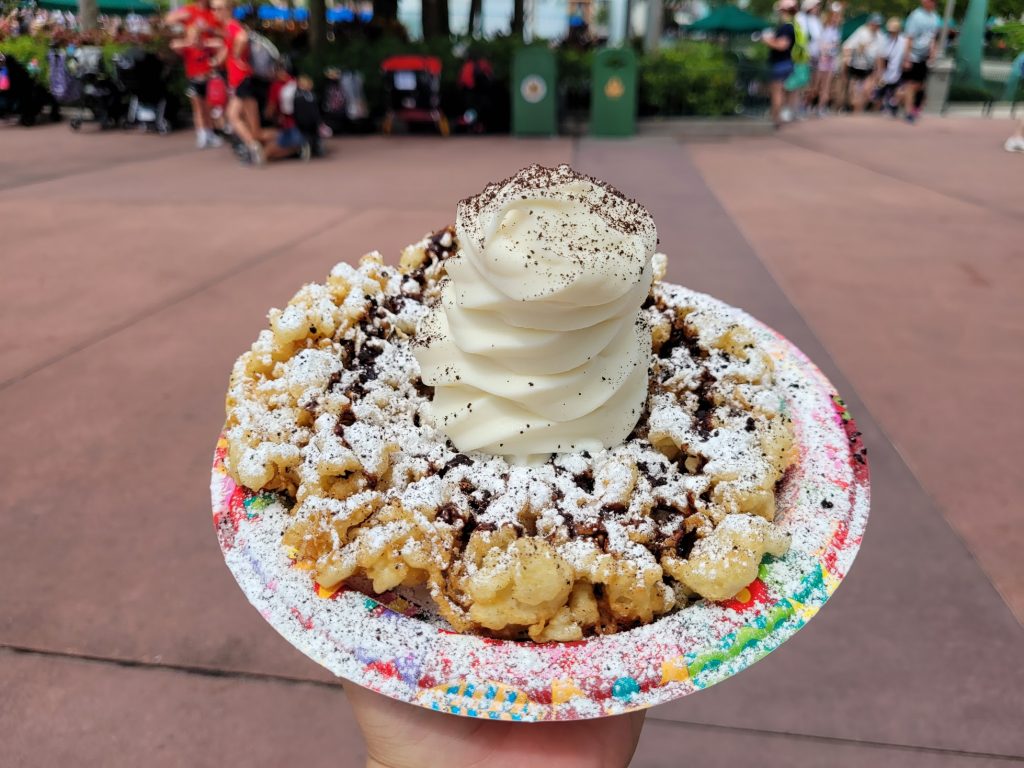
388, 642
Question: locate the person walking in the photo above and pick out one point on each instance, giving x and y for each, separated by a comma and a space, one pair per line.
828, 56
197, 47
921, 29
809, 20
243, 110
1016, 142
890, 62
860, 52
780, 56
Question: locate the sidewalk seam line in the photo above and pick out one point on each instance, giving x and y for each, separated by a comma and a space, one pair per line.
188, 669
983, 206
101, 166
844, 740
269, 677
177, 298
878, 424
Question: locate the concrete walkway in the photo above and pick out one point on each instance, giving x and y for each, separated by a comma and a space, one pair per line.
134, 271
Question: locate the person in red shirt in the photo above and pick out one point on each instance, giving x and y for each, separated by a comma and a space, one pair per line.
243, 106
286, 140
197, 47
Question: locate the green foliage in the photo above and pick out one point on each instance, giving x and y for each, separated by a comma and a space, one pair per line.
1013, 35
691, 78
25, 48
574, 65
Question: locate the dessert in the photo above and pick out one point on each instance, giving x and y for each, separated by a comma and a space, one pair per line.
614, 458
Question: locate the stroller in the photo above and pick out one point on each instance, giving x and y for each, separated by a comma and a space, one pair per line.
412, 92
79, 79
144, 77
343, 106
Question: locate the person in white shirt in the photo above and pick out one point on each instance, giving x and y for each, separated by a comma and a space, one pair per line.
860, 52
892, 50
828, 56
921, 29
809, 20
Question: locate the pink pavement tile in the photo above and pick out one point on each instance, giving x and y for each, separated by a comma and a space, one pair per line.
917, 294
875, 664
45, 152
67, 712
115, 443
362, 171
76, 270
665, 745
962, 158
110, 551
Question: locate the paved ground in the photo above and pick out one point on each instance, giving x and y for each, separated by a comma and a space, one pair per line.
135, 269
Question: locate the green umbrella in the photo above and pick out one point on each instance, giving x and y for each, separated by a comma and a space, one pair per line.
729, 20
113, 7
854, 23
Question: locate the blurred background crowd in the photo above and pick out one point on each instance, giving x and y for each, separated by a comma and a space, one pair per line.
448, 64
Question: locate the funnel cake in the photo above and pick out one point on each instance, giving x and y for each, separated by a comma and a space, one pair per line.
329, 410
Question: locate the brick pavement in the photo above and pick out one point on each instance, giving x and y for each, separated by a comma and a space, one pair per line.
136, 269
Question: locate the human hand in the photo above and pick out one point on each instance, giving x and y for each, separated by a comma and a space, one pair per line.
400, 735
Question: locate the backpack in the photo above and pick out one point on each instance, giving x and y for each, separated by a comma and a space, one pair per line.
799, 51
334, 99
306, 112
264, 56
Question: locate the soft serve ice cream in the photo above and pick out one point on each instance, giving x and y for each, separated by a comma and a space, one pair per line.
538, 344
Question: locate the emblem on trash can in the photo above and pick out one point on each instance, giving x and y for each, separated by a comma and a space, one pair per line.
614, 88
533, 89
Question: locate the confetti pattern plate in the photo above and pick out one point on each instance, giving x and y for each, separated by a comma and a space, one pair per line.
390, 644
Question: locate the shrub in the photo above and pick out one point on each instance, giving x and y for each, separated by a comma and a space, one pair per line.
25, 48
1012, 34
691, 78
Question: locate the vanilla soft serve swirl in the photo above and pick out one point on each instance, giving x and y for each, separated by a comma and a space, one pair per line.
538, 344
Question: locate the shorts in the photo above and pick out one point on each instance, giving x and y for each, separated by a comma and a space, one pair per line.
917, 73
290, 138
252, 88
196, 88
856, 73
780, 70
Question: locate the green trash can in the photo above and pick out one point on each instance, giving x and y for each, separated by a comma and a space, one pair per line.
613, 95
534, 86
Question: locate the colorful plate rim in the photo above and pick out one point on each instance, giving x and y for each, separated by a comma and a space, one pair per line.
377, 642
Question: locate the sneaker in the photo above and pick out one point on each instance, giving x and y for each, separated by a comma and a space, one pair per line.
256, 156
1014, 144
787, 115
201, 140
213, 140
911, 118
306, 152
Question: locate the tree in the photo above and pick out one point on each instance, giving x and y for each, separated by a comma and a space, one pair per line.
518, 18
87, 15
435, 19
317, 25
385, 11
475, 11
